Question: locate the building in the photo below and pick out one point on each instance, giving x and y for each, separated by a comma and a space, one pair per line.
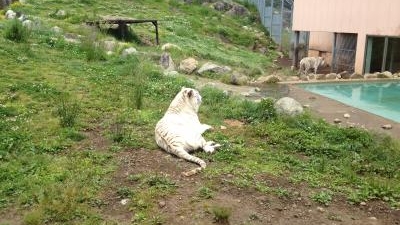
361, 36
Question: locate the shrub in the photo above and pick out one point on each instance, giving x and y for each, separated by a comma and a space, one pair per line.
67, 111
15, 31
221, 214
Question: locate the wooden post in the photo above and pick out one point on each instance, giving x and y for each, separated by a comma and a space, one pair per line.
156, 26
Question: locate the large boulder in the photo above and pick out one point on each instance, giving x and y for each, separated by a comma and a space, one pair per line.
237, 78
344, 75
238, 10
166, 62
270, 79
331, 76
188, 65
109, 45
385, 74
128, 51
370, 76
222, 6
356, 76
213, 68
169, 46
288, 106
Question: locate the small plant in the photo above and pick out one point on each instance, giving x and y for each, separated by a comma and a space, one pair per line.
124, 192
15, 31
221, 214
118, 131
67, 111
323, 197
93, 49
205, 193
282, 193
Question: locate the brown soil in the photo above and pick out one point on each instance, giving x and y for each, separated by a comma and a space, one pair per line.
247, 205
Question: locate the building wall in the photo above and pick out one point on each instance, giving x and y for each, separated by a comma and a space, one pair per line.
364, 17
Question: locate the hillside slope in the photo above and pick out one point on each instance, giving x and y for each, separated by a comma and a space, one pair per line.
77, 117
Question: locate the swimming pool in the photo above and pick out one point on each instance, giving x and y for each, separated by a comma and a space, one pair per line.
380, 98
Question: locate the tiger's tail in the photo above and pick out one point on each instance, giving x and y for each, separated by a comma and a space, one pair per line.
185, 155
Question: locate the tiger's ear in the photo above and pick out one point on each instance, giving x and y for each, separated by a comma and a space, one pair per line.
190, 93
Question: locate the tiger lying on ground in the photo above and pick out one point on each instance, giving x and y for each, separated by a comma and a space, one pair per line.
180, 131
308, 63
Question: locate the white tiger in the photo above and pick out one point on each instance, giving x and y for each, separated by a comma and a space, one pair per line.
308, 63
180, 131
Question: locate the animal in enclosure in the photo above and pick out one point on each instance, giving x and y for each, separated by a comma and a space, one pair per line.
179, 131
308, 63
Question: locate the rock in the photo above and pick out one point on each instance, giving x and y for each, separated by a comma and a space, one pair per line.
344, 75
312, 76
10, 14
61, 13
28, 24
288, 106
162, 204
320, 209
372, 218
109, 45
346, 115
128, 51
214, 68
387, 126
166, 62
356, 76
268, 79
56, 30
303, 77
331, 76
188, 65
385, 74
370, 76
396, 75
124, 201
238, 79
170, 73
321, 76
337, 120
222, 6
223, 127
363, 203
169, 46
293, 78
238, 10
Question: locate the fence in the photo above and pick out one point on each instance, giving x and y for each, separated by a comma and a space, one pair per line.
276, 16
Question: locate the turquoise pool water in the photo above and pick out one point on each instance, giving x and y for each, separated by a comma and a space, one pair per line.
380, 98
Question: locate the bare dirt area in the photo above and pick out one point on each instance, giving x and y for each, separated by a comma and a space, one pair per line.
248, 206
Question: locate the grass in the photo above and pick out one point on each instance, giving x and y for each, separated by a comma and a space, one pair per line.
60, 101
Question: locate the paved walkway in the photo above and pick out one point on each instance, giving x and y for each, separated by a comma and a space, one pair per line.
330, 110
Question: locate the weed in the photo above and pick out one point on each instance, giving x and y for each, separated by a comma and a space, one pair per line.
205, 193
15, 31
67, 111
124, 192
322, 197
93, 49
282, 193
221, 214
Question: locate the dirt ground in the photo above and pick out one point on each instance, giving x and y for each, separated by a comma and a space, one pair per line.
247, 206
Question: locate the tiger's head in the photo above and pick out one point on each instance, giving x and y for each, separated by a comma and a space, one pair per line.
186, 98
192, 97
